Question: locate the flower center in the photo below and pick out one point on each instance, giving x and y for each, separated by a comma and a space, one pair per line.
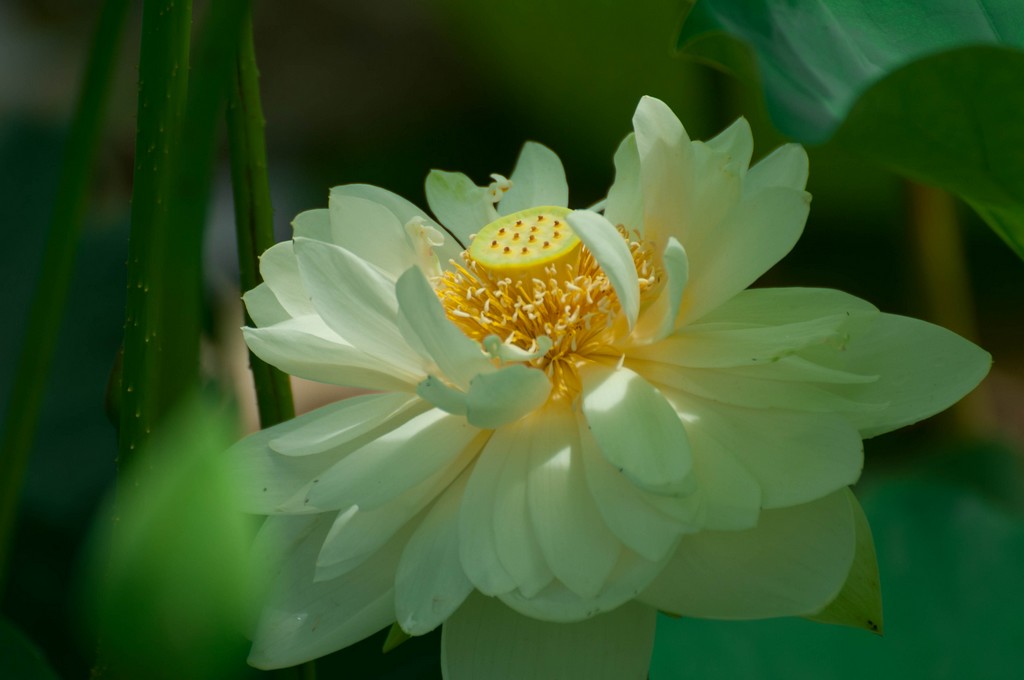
528, 276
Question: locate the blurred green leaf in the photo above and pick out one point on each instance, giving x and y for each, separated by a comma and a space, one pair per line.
932, 90
171, 569
19, 658
950, 567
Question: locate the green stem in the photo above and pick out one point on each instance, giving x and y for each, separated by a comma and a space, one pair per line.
253, 213
163, 85
47, 308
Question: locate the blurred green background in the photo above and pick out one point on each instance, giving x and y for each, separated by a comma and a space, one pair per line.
381, 93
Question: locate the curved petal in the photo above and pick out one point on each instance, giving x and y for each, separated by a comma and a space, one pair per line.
793, 562
421, 316
404, 210
370, 231
625, 204
303, 619
578, 547
306, 348
755, 235
430, 584
737, 143
922, 369
636, 429
485, 639
784, 167
538, 179
463, 207
478, 542
608, 247
795, 457
315, 224
505, 395
396, 461
263, 306
280, 271
355, 300
659, 320
757, 307
666, 170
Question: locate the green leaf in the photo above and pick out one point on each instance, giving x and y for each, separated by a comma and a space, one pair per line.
950, 566
859, 603
169, 573
19, 657
931, 90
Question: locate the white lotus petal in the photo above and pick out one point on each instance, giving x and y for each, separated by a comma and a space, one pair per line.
794, 562
607, 246
784, 167
636, 429
263, 306
393, 463
355, 300
625, 204
280, 271
342, 422
538, 179
484, 639
463, 207
430, 584
578, 547
755, 235
922, 369
315, 224
506, 395
306, 348
666, 170
422, 316
303, 619
659, 320
478, 542
442, 395
370, 231
780, 306
736, 142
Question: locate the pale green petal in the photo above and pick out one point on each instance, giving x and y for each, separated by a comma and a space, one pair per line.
394, 463
506, 395
538, 179
556, 602
263, 307
280, 271
780, 306
485, 639
578, 547
730, 347
624, 507
730, 496
344, 421
461, 206
625, 204
430, 584
784, 167
736, 142
518, 550
636, 429
304, 347
359, 532
422, 316
404, 210
478, 542
659, 320
859, 604
793, 563
755, 235
922, 369
371, 232
314, 224
608, 247
442, 395
666, 170
302, 619
356, 301
795, 457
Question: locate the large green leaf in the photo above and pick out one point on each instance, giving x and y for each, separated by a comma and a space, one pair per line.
931, 89
950, 567
19, 658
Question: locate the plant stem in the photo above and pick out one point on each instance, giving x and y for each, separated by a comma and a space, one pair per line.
47, 308
253, 212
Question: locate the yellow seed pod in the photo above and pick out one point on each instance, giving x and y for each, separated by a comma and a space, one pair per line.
525, 243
